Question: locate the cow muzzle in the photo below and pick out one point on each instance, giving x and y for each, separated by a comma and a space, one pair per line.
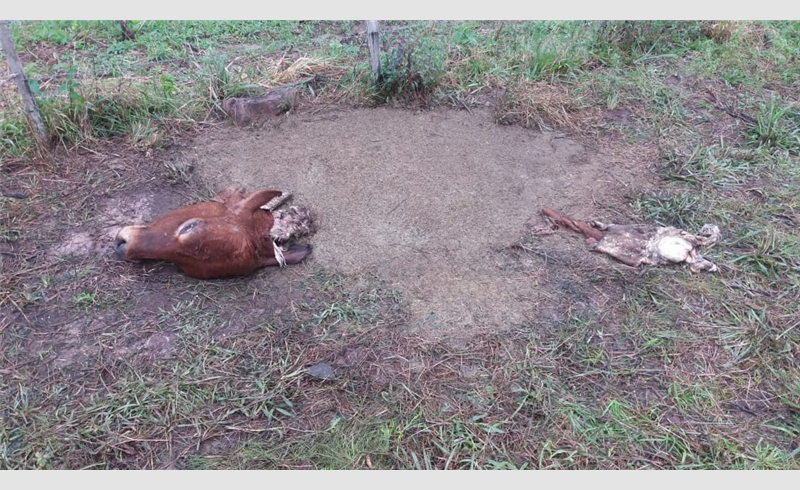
121, 243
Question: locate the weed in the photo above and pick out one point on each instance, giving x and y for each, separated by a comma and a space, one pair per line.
681, 210
770, 130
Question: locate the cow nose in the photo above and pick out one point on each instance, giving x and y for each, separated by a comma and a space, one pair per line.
119, 247
121, 242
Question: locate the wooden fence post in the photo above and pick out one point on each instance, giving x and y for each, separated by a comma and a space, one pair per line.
31, 110
374, 49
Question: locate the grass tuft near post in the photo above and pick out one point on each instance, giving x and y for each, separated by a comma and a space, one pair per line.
15, 65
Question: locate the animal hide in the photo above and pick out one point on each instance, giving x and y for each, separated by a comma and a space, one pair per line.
637, 245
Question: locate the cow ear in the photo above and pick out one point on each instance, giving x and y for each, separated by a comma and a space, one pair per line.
256, 199
230, 196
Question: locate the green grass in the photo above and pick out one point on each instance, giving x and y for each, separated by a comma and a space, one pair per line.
771, 128
178, 72
105, 368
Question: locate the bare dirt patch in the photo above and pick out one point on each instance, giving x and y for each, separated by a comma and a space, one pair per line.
114, 213
428, 201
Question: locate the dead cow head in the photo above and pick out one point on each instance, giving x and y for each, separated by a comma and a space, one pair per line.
229, 236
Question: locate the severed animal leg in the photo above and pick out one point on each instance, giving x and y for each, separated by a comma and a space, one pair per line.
698, 263
592, 234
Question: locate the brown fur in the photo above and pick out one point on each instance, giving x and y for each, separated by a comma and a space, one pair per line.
229, 236
591, 234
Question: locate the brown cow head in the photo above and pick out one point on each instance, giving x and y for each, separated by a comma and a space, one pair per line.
229, 236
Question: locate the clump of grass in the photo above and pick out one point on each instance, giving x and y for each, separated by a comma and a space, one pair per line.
410, 72
719, 31
15, 139
771, 128
682, 210
637, 41
352, 444
768, 252
538, 105
224, 80
302, 70
721, 166
79, 113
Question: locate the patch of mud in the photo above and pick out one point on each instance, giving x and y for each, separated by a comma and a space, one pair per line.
114, 213
424, 200
76, 341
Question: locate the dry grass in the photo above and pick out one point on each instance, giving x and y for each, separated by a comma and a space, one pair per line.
544, 106
720, 31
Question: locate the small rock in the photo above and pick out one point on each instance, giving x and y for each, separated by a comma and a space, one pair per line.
321, 370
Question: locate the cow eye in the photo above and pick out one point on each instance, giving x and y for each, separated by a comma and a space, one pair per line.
188, 227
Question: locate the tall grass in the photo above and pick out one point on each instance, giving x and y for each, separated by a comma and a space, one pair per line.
178, 70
